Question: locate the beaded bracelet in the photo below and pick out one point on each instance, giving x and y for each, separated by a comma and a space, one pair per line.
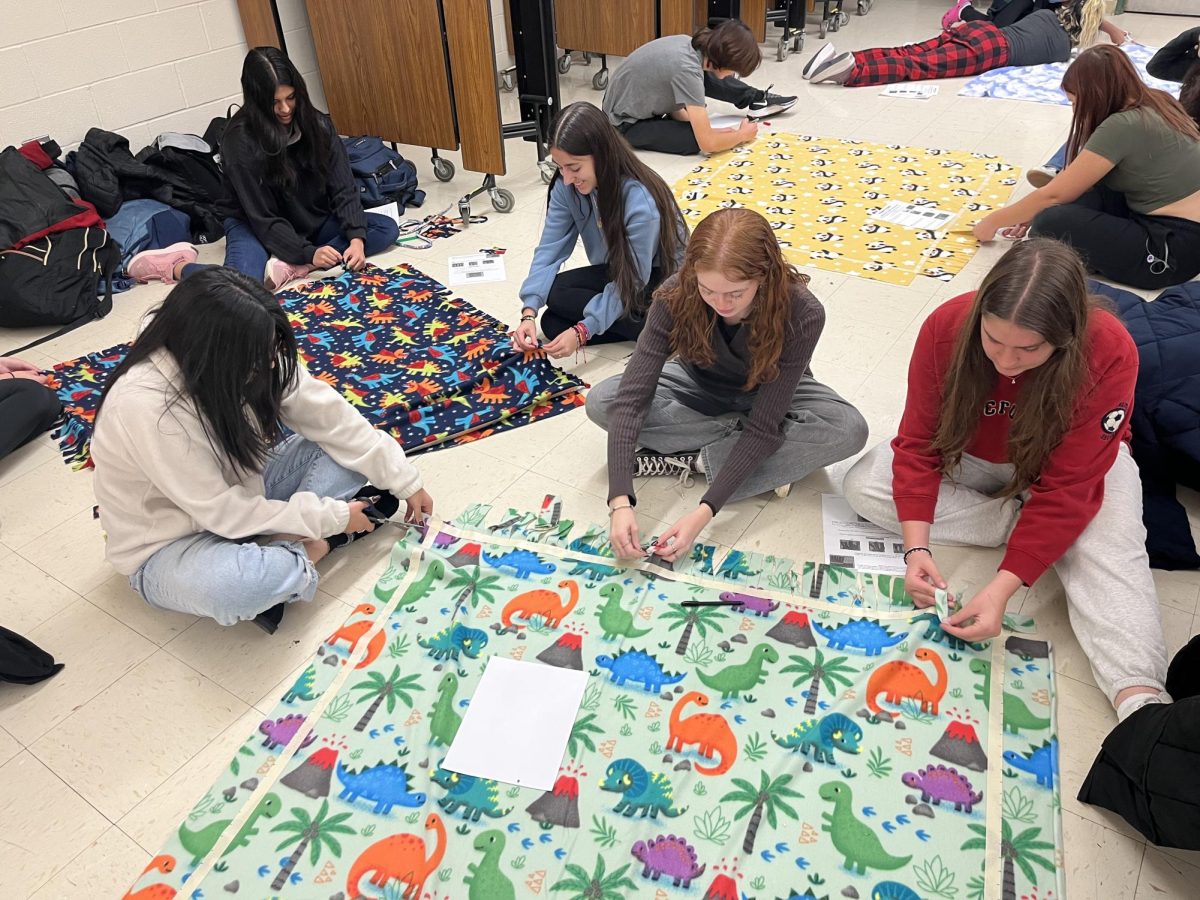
914, 550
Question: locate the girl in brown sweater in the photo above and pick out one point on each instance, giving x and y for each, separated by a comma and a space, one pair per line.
738, 401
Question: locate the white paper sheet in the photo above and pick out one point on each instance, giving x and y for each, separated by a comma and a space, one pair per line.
851, 540
475, 268
913, 91
391, 210
726, 121
516, 727
914, 215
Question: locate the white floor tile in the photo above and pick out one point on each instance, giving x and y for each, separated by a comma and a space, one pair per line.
1100, 862
72, 552
120, 601
1165, 876
28, 596
153, 820
105, 868
9, 746
114, 751
45, 824
96, 650
243, 658
40, 499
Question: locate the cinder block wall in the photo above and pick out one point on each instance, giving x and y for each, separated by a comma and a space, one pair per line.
137, 67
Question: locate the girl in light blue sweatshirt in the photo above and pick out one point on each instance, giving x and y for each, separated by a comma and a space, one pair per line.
631, 227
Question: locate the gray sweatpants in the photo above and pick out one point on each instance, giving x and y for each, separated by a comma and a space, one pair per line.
820, 428
1111, 598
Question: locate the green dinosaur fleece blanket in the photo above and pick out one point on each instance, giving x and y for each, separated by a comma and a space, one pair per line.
822, 739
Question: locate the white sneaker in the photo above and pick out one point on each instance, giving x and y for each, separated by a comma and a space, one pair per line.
836, 70
817, 58
1040, 176
782, 491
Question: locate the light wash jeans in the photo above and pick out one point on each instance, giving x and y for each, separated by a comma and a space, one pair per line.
1058, 161
208, 575
820, 428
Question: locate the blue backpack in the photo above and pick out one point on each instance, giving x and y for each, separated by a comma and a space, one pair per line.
382, 174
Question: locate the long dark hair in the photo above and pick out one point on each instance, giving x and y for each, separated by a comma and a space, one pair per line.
237, 355
740, 244
583, 130
264, 70
1103, 81
1040, 285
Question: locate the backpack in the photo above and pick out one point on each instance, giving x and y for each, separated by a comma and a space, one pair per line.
216, 130
32, 205
382, 174
54, 280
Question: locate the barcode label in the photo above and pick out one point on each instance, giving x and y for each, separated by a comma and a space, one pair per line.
836, 560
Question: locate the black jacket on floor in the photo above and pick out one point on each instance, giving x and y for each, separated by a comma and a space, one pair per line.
24, 662
1146, 770
108, 174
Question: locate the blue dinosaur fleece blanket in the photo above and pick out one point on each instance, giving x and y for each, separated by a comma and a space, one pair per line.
420, 363
817, 737
1040, 84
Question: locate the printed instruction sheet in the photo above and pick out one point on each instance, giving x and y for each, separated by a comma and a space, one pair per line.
914, 215
851, 540
475, 268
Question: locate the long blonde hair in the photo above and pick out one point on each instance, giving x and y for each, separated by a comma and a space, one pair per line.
1081, 20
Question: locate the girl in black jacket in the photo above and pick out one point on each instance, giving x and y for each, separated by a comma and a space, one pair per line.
291, 204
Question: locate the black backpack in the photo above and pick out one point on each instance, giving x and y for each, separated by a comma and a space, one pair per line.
54, 281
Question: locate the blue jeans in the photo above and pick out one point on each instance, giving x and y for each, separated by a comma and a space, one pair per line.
1058, 161
208, 575
244, 251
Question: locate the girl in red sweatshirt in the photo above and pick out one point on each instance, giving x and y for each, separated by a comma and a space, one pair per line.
1014, 433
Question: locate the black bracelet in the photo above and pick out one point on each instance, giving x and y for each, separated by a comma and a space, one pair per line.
528, 318
914, 550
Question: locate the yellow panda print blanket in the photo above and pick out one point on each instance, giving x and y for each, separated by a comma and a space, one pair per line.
822, 195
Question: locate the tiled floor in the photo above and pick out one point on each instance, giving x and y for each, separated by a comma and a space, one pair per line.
100, 763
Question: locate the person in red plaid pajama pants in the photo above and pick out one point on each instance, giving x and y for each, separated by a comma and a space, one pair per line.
968, 49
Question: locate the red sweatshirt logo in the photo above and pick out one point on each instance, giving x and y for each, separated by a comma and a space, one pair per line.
1000, 408
1111, 422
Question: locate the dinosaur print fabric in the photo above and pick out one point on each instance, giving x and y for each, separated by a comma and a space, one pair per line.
819, 194
417, 361
821, 739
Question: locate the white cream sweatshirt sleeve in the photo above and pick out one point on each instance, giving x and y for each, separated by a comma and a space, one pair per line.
321, 414
184, 469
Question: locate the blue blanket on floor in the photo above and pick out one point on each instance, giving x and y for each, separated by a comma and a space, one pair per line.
1040, 84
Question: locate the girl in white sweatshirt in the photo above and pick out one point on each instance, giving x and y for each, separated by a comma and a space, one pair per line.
209, 508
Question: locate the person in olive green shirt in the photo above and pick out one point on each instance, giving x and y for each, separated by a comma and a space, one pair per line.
1129, 198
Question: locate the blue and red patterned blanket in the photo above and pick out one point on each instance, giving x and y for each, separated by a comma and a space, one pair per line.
420, 363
